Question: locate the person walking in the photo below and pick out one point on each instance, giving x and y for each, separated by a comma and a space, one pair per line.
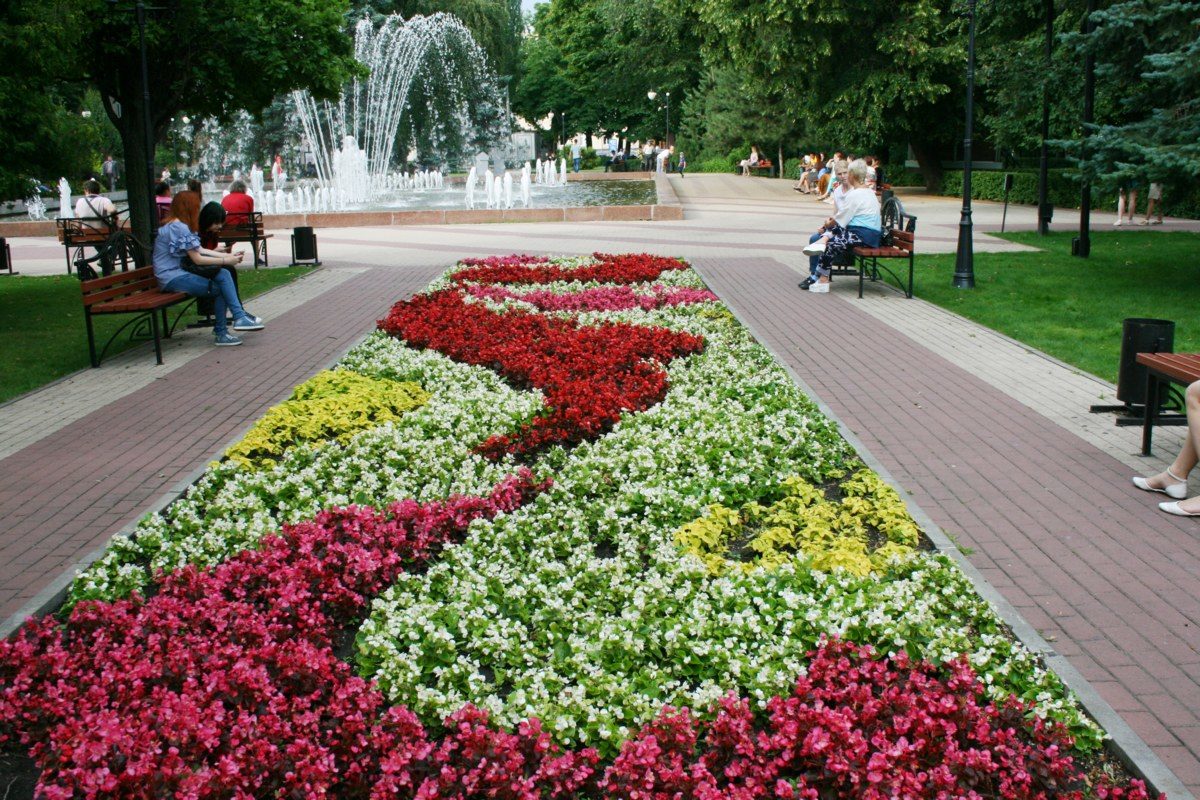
109, 170
576, 154
682, 165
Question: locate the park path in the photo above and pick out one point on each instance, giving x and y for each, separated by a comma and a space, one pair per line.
1049, 519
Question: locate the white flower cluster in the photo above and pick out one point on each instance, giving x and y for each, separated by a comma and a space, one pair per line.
426, 455
580, 610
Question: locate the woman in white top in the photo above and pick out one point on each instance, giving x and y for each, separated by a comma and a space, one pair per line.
93, 205
856, 222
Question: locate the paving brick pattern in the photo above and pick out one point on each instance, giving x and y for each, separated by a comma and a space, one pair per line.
1050, 519
69, 492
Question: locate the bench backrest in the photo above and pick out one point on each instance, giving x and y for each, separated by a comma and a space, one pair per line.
119, 284
85, 231
905, 240
250, 224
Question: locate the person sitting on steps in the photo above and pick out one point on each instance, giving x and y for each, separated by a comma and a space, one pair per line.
1173, 482
182, 265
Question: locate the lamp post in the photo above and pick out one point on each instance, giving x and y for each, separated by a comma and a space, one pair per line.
1082, 245
668, 119
964, 263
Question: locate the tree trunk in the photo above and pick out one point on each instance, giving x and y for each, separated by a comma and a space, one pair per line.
130, 124
929, 160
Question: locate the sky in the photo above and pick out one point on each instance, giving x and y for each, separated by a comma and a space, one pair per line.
527, 5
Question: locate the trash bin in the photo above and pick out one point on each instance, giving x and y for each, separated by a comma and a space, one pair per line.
1141, 336
304, 246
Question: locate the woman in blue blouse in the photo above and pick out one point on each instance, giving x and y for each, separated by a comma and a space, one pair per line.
177, 250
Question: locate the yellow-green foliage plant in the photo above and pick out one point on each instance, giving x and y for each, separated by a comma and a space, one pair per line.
831, 534
332, 405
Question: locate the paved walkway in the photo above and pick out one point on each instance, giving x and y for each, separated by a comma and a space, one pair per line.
992, 440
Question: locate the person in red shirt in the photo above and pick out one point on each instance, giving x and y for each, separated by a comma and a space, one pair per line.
237, 204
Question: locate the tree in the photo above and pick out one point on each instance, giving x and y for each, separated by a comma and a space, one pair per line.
860, 78
38, 40
1150, 48
211, 59
727, 112
601, 57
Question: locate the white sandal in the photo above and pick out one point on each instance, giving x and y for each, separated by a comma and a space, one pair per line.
1173, 508
1176, 490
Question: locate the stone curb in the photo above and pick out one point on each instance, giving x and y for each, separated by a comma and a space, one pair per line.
1123, 743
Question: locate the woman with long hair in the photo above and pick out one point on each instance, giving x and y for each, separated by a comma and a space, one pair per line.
181, 264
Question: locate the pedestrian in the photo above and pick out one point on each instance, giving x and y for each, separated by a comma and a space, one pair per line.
648, 155
109, 171
1127, 192
682, 163
576, 154
1154, 201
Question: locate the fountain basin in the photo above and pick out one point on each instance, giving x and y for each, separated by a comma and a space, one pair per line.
665, 206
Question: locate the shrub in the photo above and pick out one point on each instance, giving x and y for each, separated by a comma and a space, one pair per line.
1063, 192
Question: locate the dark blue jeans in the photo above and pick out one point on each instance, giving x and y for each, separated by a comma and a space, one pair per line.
220, 288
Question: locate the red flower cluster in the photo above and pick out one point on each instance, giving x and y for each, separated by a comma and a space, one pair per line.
225, 682
857, 727
589, 375
631, 268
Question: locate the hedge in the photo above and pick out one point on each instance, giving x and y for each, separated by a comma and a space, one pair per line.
1178, 201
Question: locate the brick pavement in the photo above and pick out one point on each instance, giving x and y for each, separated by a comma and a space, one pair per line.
66, 494
1049, 519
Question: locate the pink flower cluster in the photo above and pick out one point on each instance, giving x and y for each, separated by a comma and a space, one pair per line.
602, 298
630, 268
225, 682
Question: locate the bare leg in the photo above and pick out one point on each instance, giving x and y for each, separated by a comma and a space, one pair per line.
1120, 206
1132, 204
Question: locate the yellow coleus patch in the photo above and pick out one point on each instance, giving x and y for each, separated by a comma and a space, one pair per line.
831, 534
331, 406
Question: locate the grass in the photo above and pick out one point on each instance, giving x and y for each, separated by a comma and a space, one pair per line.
42, 331
1072, 308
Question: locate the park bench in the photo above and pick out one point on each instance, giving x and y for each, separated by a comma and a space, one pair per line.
77, 235
763, 167
899, 242
133, 292
247, 228
1163, 369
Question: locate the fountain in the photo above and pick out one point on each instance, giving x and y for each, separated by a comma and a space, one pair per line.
437, 49
64, 200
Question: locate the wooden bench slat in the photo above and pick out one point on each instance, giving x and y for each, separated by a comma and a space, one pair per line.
141, 302
1183, 367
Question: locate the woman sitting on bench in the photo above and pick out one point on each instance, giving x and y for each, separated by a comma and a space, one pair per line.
182, 265
1173, 482
856, 222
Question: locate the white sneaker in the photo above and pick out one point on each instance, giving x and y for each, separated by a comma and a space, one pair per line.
814, 248
820, 288
1118, 223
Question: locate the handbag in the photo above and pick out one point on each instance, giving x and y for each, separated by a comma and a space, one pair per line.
206, 271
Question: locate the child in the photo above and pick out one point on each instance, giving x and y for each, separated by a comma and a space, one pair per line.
682, 164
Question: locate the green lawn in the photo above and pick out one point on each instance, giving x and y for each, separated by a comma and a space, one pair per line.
42, 331
1070, 307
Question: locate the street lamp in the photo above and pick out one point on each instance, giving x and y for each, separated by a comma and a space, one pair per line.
964, 263
668, 119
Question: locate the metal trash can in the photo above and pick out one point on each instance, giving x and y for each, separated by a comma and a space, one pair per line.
304, 246
1141, 336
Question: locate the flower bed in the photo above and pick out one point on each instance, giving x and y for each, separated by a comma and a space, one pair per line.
690, 534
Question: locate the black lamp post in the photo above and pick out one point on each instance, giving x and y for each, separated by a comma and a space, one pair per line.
964, 263
668, 119
1082, 245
